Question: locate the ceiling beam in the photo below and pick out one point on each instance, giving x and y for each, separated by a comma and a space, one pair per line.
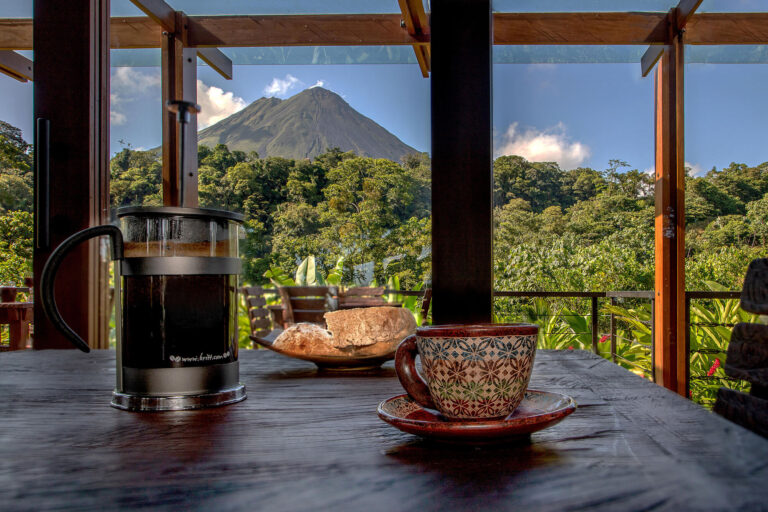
651, 57
300, 30
678, 18
217, 60
417, 24
16, 66
384, 30
685, 10
159, 12
169, 20
577, 28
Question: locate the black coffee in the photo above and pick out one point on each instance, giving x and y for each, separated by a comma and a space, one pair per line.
177, 321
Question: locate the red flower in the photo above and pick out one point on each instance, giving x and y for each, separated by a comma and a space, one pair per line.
570, 348
714, 367
604, 338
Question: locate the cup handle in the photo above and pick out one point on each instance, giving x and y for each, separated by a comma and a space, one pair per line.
405, 366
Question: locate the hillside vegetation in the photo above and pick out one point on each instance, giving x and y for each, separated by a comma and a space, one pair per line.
557, 230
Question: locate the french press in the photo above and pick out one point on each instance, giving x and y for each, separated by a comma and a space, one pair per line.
176, 271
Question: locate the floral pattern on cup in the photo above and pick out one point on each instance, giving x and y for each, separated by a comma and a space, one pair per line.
477, 377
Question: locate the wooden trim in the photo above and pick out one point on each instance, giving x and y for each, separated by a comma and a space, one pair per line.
16, 66
671, 363
462, 236
159, 12
217, 60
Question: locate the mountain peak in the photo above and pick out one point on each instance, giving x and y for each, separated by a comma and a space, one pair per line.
304, 126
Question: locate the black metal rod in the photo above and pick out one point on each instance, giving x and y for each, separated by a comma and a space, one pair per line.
613, 332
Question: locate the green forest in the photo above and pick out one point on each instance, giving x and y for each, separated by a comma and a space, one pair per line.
557, 230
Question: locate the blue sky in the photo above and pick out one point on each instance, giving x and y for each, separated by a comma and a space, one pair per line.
576, 114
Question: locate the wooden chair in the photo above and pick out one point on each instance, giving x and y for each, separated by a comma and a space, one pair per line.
747, 357
426, 301
304, 304
258, 314
362, 296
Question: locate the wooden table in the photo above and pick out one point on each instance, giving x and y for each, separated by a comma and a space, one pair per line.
309, 441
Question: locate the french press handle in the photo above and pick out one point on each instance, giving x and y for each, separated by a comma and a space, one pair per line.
48, 278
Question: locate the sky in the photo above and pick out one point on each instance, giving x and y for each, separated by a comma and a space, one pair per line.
574, 114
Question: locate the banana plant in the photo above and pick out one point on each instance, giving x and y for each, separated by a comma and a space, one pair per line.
307, 274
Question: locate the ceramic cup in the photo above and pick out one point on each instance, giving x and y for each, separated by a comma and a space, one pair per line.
470, 372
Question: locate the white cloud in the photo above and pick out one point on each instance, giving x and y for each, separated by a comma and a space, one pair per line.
215, 104
125, 85
131, 79
280, 87
696, 169
550, 145
319, 83
117, 118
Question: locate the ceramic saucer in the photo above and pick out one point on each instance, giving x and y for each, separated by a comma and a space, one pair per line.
335, 363
538, 410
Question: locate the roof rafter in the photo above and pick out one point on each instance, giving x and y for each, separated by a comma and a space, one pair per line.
678, 18
16, 66
169, 20
385, 30
417, 24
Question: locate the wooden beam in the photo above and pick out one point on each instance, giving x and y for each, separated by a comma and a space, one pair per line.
159, 12
217, 60
462, 237
165, 16
77, 145
651, 57
685, 10
578, 28
179, 82
730, 28
670, 352
300, 30
16, 66
384, 30
680, 16
417, 24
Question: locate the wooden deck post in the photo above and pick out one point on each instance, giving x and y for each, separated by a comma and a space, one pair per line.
179, 81
72, 106
462, 254
671, 361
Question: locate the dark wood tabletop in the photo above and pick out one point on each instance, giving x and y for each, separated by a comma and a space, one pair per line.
307, 440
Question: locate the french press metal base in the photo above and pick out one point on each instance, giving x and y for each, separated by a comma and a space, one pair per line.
178, 389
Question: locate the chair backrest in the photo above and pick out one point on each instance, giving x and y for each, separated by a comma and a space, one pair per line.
258, 315
425, 303
304, 304
365, 295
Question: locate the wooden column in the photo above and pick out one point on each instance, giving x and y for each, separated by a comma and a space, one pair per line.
179, 81
671, 361
72, 95
462, 256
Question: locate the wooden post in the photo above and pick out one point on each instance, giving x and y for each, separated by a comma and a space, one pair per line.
179, 81
671, 363
462, 254
72, 99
